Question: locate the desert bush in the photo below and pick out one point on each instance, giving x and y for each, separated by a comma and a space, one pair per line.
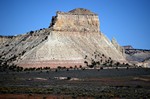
59, 67
47, 71
138, 86
75, 67
85, 57
117, 68
117, 64
64, 67
80, 66
85, 62
56, 70
31, 32
71, 67
127, 68
91, 66
39, 68
83, 68
68, 78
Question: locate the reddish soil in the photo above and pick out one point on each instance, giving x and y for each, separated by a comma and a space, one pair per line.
38, 96
53, 64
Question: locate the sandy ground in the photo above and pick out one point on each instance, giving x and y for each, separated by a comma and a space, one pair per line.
79, 84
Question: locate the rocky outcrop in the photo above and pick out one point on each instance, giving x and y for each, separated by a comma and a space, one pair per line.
128, 47
4, 39
139, 57
15, 47
73, 38
118, 47
78, 20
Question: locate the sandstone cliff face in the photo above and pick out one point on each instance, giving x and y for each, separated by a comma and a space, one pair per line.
71, 39
75, 22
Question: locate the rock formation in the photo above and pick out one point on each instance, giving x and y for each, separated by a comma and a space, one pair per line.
77, 20
71, 39
140, 57
3, 39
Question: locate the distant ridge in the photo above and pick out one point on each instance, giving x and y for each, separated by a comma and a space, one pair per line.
137, 56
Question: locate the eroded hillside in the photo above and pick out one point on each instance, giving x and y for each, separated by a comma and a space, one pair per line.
139, 57
71, 39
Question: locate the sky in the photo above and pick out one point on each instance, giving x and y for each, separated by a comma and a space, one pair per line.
128, 21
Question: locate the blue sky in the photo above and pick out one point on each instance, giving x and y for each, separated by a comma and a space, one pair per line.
128, 21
